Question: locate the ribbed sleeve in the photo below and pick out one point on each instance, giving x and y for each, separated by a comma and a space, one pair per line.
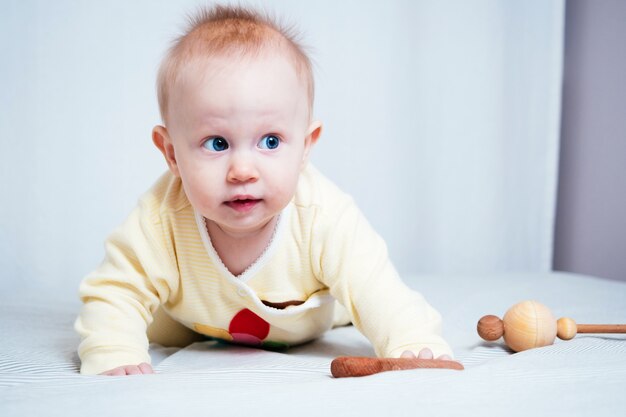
356, 267
121, 295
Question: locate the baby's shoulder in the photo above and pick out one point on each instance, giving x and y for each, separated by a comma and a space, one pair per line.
165, 197
316, 192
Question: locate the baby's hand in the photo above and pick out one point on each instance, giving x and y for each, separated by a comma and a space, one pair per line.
424, 354
142, 368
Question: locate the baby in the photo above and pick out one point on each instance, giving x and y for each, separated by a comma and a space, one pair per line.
242, 240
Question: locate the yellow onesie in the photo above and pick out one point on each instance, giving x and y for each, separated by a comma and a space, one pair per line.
322, 250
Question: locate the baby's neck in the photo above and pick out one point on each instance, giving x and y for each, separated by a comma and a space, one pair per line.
239, 251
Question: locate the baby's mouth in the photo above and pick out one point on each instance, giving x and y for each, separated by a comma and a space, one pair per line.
243, 204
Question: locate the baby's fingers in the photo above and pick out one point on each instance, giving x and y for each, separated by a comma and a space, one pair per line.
408, 354
424, 354
115, 372
145, 368
142, 368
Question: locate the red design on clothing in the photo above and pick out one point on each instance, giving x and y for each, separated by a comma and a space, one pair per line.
248, 328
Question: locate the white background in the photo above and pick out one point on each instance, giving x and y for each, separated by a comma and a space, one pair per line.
441, 119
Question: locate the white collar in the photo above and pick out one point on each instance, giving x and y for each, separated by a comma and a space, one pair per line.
254, 267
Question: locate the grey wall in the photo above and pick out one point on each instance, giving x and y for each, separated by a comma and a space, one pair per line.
590, 234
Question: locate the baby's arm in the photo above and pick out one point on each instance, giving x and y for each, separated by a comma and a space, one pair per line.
119, 298
356, 267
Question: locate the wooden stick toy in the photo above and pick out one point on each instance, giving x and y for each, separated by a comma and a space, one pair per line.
530, 324
345, 366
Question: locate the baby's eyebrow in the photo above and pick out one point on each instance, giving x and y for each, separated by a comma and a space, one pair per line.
211, 123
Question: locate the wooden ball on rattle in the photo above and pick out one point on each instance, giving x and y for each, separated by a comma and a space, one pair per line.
526, 325
490, 328
566, 328
530, 324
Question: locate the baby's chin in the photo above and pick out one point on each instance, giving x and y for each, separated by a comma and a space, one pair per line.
241, 228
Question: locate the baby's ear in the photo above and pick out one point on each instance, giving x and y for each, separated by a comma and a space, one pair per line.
162, 140
313, 134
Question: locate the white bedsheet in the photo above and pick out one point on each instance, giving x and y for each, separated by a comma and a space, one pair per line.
585, 376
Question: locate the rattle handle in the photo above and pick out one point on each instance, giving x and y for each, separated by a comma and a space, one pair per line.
346, 366
601, 328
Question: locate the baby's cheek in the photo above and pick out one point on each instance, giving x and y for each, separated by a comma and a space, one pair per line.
285, 185
198, 191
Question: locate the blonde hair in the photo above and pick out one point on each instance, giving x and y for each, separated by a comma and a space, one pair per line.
235, 30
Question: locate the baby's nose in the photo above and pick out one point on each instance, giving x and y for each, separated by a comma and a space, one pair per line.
242, 169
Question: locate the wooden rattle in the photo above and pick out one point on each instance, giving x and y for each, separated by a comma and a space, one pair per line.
345, 366
530, 324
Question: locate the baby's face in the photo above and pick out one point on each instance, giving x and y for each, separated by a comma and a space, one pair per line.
241, 133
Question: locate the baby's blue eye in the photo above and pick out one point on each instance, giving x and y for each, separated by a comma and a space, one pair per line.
217, 144
269, 142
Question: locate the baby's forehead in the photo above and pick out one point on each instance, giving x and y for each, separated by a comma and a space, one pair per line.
198, 68
226, 85
196, 57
